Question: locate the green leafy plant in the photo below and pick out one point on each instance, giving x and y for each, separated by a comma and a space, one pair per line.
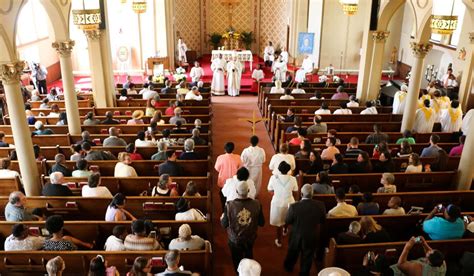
215, 40
247, 38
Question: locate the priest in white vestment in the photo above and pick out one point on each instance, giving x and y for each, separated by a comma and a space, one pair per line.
399, 100
279, 70
196, 73
424, 119
269, 54
182, 48
451, 118
466, 121
218, 66
307, 64
284, 55
233, 77
253, 158
300, 75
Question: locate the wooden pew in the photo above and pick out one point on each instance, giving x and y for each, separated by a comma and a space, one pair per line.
417, 148
141, 102
77, 262
406, 182
61, 104
186, 109
135, 186
88, 208
349, 257
9, 185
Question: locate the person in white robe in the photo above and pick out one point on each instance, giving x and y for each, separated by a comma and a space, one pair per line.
279, 70
451, 118
436, 105
230, 186
233, 79
369, 110
182, 48
431, 88
277, 89
253, 158
269, 54
300, 75
444, 100
466, 121
284, 55
307, 64
218, 66
196, 72
298, 89
258, 74
399, 100
424, 119
283, 155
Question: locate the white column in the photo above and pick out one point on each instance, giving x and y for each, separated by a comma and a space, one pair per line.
10, 76
466, 164
365, 64
379, 38
467, 76
64, 49
99, 86
419, 51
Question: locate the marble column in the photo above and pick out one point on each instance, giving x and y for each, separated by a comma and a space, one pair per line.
101, 69
365, 65
10, 76
64, 49
419, 50
467, 76
466, 164
379, 38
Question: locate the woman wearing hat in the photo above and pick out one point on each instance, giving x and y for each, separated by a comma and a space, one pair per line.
137, 116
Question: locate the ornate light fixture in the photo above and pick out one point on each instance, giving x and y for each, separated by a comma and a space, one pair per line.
139, 6
123, 1
441, 22
87, 19
349, 7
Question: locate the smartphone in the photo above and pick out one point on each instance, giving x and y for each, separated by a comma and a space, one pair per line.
152, 234
418, 239
440, 207
466, 219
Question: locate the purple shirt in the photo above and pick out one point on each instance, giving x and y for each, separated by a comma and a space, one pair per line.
456, 151
340, 96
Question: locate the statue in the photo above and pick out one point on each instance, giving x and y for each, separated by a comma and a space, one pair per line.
394, 55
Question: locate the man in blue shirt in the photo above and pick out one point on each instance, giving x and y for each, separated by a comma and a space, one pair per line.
445, 227
432, 150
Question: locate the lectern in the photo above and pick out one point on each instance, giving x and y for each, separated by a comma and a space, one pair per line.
152, 61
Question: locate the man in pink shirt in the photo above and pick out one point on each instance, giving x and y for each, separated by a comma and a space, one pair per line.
331, 150
340, 94
227, 165
457, 150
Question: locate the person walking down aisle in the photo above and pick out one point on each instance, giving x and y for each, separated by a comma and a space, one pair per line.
253, 158
226, 165
305, 218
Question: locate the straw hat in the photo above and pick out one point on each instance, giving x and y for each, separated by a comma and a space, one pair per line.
137, 114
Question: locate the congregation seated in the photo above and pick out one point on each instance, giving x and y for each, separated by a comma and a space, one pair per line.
184, 212
173, 267
385, 163
54, 113
142, 237
289, 117
338, 166
407, 136
132, 151
323, 184
94, 155
342, 209
163, 187
186, 241
59, 166
405, 150
298, 89
178, 128
170, 166
315, 164
123, 167
191, 190
90, 120
351, 236
56, 187
296, 128
177, 116
352, 150
305, 148
109, 119
194, 94
3, 144
432, 150
114, 140
198, 140
16, 208
287, 96
340, 94
317, 96
55, 266
277, 89
116, 210
20, 239
376, 137
414, 164
343, 110
394, 207
372, 232
115, 242
189, 153
166, 137
368, 207
136, 119
92, 189
331, 150
457, 150
58, 241
353, 101
318, 126
323, 110
41, 130
86, 138
161, 154
98, 266
82, 169
5, 172
362, 165
387, 181
444, 223
369, 109
142, 140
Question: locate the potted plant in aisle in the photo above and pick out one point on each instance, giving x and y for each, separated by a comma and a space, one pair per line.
247, 39
215, 40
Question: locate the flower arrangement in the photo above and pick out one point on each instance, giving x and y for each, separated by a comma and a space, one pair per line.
159, 79
231, 34
180, 74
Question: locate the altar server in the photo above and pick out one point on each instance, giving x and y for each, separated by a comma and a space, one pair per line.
279, 70
424, 118
268, 54
451, 118
196, 73
218, 66
284, 55
399, 100
182, 48
307, 64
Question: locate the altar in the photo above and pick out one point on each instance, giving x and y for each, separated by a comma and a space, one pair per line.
242, 56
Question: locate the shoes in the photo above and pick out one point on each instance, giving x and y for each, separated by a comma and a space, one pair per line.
277, 243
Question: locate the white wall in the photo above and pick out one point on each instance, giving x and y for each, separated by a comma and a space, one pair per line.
315, 21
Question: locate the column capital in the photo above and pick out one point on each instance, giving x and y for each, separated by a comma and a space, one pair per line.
471, 37
380, 36
64, 48
93, 34
10, 72
420, 50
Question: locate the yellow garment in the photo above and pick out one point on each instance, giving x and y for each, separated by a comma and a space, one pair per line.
428, 112
436, 105
422, 99
402, 96
454, 114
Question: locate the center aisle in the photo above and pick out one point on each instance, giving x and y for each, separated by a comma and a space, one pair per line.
225, 128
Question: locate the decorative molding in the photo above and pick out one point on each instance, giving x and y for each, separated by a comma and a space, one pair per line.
10, 72
380, 36
471, 37
9, 9
420, 50
64, 48
423, 3
93, 34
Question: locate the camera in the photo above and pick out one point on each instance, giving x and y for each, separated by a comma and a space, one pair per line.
418, 239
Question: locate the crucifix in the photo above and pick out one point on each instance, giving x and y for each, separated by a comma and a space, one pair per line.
254, 120
230, 4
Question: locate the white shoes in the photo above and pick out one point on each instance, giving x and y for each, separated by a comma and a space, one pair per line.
277, 243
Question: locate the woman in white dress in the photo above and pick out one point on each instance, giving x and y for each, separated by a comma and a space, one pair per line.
283, 186
123, 168
282, 156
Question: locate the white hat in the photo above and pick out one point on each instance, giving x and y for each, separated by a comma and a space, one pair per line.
38, 124
184, 230
249, 267
333, 271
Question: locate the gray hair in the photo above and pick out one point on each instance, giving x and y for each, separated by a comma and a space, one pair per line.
85, 135
14, 197
59, 158
172, 258
307, 191
189, 145
197, 122
354, 227
56, 177
196, 132
161, 146
389, 177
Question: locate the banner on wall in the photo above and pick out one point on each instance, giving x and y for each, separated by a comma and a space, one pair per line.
305, 43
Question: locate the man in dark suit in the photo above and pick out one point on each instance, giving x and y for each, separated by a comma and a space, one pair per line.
305, 218
167, 88
60, 166
170, 166
109, 119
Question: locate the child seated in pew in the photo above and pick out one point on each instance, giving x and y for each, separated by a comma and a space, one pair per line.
387, 181
115, 241
123, 95
394, 208
163, 187
191, 189
132, 151
368, 207
55, 266
141, 267
58, 241
81, 169
98, 266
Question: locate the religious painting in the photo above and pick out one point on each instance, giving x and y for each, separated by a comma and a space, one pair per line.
305, 43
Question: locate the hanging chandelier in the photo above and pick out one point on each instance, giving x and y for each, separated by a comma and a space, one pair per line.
139, 6
349, 7
87, 19
441, 22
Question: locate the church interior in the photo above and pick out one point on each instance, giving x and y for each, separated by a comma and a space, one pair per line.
236, 137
